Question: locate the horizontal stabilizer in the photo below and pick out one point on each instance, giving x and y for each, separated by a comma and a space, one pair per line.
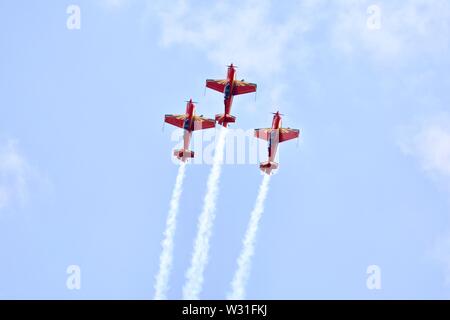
224, 119
268, 166
182, 155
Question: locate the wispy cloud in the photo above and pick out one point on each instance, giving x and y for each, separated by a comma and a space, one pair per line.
429, 142
408, 29
15, 173
247, 32
238, 31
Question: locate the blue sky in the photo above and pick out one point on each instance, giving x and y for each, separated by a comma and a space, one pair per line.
86, 173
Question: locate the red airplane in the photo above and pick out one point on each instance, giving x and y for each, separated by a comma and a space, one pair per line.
274, 135
230, 88
189, 122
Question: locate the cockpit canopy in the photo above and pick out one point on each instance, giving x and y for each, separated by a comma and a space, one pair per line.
227, 90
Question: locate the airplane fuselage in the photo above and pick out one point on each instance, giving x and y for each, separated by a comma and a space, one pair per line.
229, 87
274, 137
188, 124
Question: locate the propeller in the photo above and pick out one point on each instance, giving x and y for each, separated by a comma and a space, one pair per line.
192, 101
281, 114
232, 65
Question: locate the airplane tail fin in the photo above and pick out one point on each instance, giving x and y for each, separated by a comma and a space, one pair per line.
182, 154
268, 166
224, 119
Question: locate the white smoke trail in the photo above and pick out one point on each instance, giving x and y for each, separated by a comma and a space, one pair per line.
194, 275
166, 258
244, 261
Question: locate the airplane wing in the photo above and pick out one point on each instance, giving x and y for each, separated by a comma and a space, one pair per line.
218, 85
288, 134
176, 120
241, 87
263, 133
201, 123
